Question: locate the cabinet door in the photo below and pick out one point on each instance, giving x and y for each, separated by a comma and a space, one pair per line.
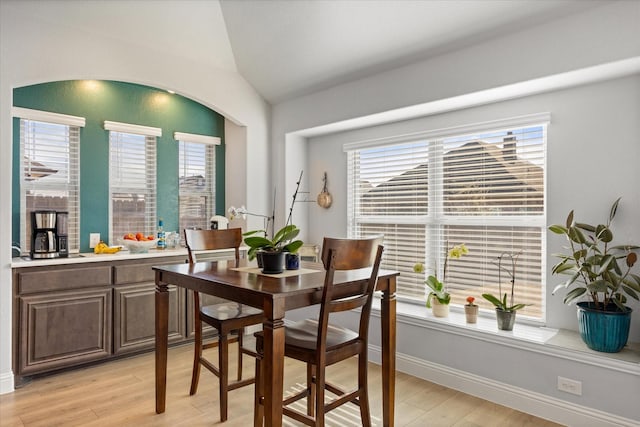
60, 329
134, 317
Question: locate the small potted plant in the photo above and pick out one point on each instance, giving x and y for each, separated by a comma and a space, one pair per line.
603, 273
438, 299
471, 310
506, 311
273, 249
271, 252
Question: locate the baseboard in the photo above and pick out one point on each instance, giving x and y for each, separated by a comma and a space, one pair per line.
533, 403
6, 382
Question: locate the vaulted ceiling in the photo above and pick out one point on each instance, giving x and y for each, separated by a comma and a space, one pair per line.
288, 48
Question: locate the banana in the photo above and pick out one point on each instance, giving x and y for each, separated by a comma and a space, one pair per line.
103, 248
100, 247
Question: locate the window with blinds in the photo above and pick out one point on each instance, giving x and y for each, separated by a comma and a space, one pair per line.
483, 187
196, 175
49, 161
132, 184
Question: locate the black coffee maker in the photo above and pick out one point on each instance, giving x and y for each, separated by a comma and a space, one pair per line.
49, 234
62, 228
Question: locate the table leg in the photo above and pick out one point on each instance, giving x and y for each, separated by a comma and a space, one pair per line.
388, 323
273, 369
162, 331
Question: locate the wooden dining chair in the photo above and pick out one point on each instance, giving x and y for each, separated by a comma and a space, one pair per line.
319, 343
226, 317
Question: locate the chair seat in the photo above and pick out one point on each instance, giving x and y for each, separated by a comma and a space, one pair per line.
304, 334
229, 310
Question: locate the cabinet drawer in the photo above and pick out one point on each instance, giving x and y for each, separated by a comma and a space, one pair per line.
133, 273
140, 271
67, 278
62, 329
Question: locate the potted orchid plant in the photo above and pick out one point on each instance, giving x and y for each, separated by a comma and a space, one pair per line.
505, 308
438, 298
271, 251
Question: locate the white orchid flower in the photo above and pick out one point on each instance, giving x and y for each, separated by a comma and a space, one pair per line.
236, 212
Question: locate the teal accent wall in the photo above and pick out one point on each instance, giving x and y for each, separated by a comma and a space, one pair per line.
101, 100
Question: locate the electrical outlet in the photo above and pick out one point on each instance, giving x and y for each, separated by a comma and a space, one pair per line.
94, 239
570, 386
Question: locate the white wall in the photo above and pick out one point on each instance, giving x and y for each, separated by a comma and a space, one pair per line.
594, 128
37, 50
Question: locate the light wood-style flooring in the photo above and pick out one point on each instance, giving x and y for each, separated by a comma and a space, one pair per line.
122, 393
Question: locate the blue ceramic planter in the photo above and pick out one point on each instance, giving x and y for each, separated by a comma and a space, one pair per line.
605, 331
292, 261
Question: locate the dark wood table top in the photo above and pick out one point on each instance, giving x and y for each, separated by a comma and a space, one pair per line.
298, 290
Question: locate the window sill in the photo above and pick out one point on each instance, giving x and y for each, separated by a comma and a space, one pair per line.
560, 343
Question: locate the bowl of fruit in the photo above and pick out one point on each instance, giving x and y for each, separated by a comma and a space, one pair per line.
138, 243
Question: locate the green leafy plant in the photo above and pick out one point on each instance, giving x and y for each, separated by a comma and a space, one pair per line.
437, 290
596, 268
503, 304
437, 287
282, 241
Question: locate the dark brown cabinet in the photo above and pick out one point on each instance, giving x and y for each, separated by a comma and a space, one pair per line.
134, 306
62, 328
70, 314
134, 317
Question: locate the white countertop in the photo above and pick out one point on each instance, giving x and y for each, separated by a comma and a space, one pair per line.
25, 261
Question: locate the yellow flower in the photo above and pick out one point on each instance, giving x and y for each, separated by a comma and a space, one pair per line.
458, 250
454, 252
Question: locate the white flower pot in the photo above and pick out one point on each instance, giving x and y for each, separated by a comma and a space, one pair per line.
438, 309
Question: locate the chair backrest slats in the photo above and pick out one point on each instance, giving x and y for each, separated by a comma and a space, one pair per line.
206, 240
351, 254
347, 304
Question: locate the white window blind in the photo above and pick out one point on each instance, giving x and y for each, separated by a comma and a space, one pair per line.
484, 189
49, 161
388, 194
196, 174
132, 184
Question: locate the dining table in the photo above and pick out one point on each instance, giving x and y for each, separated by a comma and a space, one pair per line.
275, 294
